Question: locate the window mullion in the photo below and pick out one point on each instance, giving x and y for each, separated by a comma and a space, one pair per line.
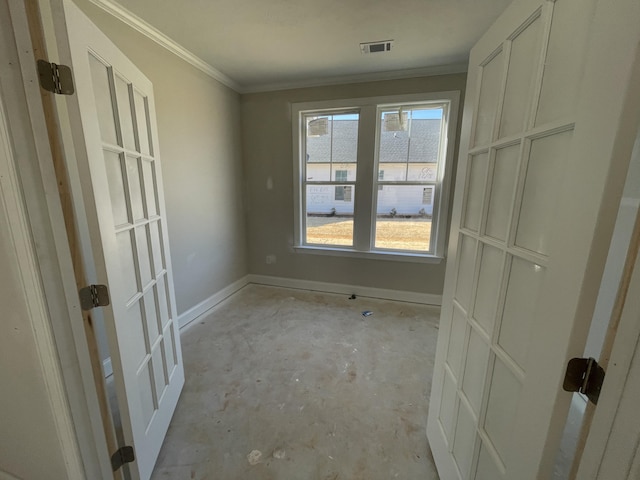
363, 208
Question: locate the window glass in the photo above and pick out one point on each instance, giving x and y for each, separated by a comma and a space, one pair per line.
408, 157
401, 197
331, 152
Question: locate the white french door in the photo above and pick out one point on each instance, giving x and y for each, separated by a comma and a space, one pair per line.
540, 171
117, 161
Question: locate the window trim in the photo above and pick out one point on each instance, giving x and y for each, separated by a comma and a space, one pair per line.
367, 160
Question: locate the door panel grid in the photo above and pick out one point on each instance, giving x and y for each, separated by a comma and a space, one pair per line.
513, 174
120, 193
130, 167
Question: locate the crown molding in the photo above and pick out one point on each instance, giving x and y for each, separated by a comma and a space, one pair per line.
359, 78
141, 26
138, 24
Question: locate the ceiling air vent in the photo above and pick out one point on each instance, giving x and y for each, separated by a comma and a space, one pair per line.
376, 47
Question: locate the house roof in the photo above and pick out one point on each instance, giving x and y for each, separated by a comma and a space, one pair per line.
418, 144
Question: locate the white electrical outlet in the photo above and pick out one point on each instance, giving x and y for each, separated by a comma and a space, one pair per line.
270, 259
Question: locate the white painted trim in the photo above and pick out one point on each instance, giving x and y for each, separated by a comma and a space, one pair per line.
107, 367
194, 312
31, 285
371, 292
393, 256
23, 107
630, 202
364, 213
131, 19
359, 78
163, 40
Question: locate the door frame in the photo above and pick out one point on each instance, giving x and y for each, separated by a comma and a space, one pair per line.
53, 257
38, 316
607, 428
45, 218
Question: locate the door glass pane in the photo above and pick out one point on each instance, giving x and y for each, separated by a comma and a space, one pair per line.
542, 184
489, 279
158, 371
501, 194
163, 305
522, 62
148, 174
466, 267
170, 354
144, 259
488, 99
464, 441
127, 266
475, 369
564, 63
456, 341
330, 214
487, 466
146, 394
124, 110
136, 337
475, 190
151, 316
135, 189
504, 396
115, 179
156, 247
520, 303
140, 103
448, 406
102, 94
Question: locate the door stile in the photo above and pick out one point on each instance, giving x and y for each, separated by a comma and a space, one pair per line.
65, 195
546, 17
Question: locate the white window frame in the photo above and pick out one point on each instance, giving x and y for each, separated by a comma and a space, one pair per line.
367, 175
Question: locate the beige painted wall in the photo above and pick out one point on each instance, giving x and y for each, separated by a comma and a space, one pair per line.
267, 153
200, 148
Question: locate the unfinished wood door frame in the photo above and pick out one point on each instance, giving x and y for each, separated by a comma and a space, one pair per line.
55, 252
38, 317
64, 189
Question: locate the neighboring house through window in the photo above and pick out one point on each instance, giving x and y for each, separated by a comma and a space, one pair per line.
401, 209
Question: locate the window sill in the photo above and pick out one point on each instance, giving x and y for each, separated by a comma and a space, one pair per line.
373, 255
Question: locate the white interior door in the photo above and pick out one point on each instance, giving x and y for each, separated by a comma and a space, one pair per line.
116, 147
542, 162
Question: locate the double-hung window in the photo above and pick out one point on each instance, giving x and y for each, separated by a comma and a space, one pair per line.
372, 175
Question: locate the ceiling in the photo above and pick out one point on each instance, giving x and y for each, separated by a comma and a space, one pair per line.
270, 44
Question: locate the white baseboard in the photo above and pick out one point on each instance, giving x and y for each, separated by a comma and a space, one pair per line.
194, 312
107, 368
382, 293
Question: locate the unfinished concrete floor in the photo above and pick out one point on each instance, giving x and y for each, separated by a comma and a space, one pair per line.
290, 384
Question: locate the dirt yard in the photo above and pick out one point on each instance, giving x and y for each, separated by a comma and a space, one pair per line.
394, 233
